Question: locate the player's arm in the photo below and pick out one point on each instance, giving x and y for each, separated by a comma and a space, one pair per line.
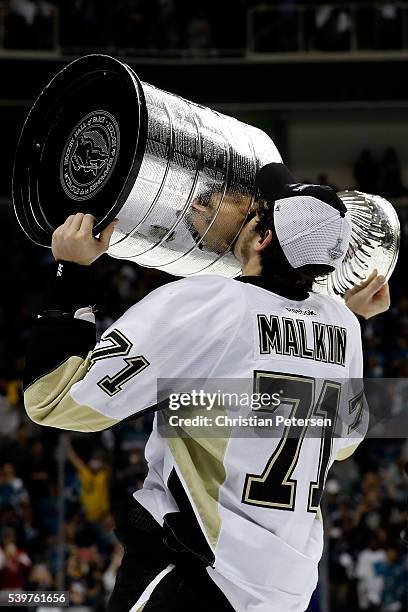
71, 384
353, 416
370, 298
63, 337
366, 300
158, 338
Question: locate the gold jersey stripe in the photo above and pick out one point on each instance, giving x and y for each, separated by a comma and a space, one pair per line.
48, 400
345, 453
201, 463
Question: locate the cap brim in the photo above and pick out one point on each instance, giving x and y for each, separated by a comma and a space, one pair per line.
271, 180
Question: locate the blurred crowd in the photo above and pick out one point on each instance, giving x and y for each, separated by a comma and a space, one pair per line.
365, 512
208, 28
365, 504
80, 554
293, 25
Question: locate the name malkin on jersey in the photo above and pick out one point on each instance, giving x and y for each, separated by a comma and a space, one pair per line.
288, 336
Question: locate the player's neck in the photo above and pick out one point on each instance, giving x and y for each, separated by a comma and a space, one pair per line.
252, 267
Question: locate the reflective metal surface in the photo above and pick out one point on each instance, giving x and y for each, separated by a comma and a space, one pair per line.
374, 242
194, 188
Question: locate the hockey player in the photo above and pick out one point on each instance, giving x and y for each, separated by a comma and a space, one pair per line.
224, 522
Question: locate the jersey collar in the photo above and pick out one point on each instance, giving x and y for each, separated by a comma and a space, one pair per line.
291, 293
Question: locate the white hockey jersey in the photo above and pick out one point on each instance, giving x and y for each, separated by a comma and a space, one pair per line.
254, 489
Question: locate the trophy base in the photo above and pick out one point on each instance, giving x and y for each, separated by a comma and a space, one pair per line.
81, 147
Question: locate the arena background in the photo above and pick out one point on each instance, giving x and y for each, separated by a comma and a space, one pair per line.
328, 82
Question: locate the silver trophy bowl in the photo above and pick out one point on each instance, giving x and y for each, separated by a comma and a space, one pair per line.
374, 242
179, 177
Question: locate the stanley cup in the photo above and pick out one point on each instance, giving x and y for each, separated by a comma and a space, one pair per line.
180, 177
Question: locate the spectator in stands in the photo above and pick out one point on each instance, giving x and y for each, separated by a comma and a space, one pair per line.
29, 535
84, 578
395, 577
10, 417
109, 576
19, 24
39, 472
94, 479
76, 569
131, 477
45, 27
388, 31
95, 593
12, 489
14, 564
105, 537
332, 28
40, 578
369, 583
29, 25
46, 508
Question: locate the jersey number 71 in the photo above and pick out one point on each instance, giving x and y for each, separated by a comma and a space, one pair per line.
275, 488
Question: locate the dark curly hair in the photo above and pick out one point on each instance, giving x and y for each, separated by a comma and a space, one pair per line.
275, 267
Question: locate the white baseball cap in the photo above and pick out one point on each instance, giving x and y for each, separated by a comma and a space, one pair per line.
311, 223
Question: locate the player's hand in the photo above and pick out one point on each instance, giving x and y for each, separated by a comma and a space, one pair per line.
370, 298
74, 240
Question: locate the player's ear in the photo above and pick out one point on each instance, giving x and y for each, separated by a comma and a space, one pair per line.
264, 241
